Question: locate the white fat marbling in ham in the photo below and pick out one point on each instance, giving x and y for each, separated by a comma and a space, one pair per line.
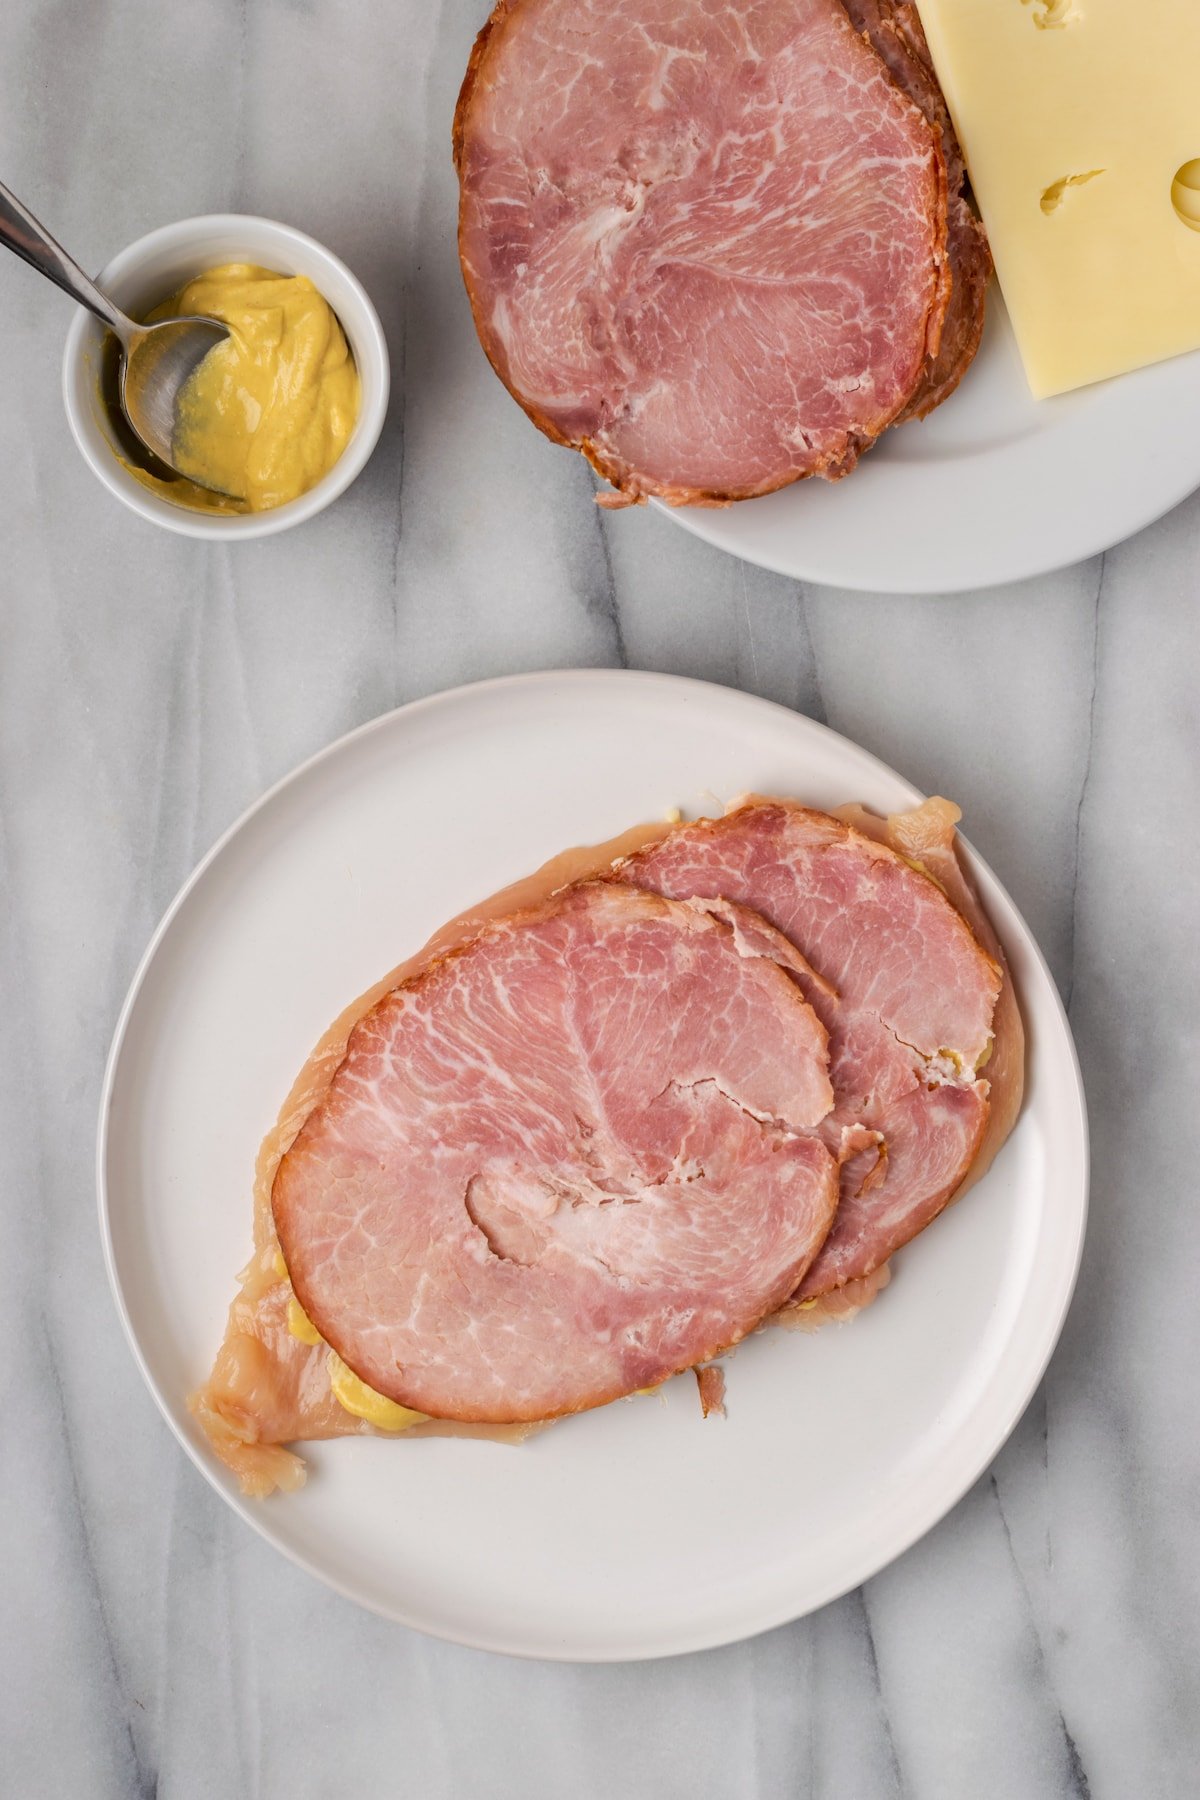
704, 243
566, 1161
905, 991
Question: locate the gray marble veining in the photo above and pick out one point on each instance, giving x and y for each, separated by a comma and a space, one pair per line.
1044, 1640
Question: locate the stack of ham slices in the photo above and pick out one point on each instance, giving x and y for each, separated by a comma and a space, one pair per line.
717, 245
614, 1119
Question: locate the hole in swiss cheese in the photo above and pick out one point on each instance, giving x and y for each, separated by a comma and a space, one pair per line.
1185, 193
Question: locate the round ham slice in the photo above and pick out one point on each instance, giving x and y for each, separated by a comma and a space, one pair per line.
903, 987
704, 243
565, 1161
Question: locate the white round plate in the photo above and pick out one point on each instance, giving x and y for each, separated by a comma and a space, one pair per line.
993, 486
641, 1529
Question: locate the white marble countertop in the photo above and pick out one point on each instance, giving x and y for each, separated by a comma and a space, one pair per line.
1042, 1641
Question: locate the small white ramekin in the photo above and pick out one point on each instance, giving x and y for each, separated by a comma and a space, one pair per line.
156, 266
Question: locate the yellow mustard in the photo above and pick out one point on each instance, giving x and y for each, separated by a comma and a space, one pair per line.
357, 1398
299, 1323
349, 1390
268, 412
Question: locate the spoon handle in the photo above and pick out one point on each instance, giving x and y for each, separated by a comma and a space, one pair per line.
20, 231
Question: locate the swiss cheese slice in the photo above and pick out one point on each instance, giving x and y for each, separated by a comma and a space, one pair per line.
1080, 123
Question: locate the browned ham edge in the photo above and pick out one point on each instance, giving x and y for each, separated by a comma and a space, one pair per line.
710, 1380
895, 33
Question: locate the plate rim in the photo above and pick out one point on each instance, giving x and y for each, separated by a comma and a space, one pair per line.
690, 519
705, 1637
1017, 564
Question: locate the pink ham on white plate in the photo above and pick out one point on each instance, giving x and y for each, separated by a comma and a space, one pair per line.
903, 986
565, 1161
705, 243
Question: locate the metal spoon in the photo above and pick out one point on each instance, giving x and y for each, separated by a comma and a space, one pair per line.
156, 360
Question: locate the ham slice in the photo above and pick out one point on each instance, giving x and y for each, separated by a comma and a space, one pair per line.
895, 32
926, 838
901, 983
704, 243
566, 1161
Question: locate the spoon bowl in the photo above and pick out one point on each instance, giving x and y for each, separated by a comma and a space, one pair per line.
157, 360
